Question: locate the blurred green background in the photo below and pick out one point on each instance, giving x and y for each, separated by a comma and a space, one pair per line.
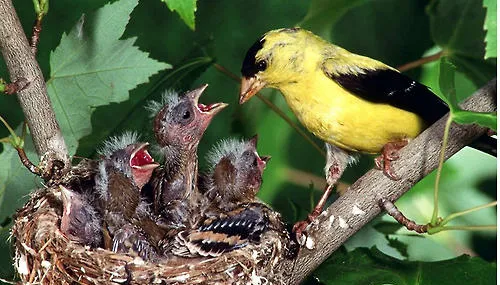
393, 31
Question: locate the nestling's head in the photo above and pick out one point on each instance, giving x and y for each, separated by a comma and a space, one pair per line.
279, 57
236, 170
80, 221
180, 120
130, 157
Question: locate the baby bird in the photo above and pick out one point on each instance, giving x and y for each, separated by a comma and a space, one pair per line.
80, 221
124, 170
232, 215
179, 124
235, 173
351, 102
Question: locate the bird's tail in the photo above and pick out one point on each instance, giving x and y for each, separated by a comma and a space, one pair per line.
486, 144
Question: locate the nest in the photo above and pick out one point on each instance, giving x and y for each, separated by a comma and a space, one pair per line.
44, 255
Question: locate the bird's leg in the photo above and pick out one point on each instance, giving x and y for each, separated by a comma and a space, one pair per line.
389, 153
336, 162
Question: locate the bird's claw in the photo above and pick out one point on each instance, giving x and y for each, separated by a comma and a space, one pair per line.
383, 163
389, 154
299, 228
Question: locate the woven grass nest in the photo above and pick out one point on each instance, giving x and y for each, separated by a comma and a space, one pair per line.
44, 255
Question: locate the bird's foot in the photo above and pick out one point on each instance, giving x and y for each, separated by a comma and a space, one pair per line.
389, 154
299, 227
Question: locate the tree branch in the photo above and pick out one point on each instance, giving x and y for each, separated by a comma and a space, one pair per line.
21, 63
359, 205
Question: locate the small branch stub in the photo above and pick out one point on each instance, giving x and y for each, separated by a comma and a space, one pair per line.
394, 212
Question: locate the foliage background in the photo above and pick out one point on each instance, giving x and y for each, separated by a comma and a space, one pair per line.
393, 31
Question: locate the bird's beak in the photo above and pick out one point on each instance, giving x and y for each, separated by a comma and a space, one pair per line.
249, 87
142, 165
262, 162
265, 158
196, 93
66, 197
141, 159
254, 140
210, 109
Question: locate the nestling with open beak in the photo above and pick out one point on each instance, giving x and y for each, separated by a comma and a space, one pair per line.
124, 170
179, 124
351, 102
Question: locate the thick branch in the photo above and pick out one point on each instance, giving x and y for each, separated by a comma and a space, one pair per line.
358, 205
34, 101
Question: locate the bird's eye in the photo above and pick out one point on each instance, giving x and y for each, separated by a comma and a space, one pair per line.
182, 114
261, 65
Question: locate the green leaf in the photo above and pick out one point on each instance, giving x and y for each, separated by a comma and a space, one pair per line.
41, 7
490, 25
324, 14
448, 94
457, 27
484, 119
185, 9
478, 70
387, 228
447, 83
130, 115
15, 180
370, 266
92, 67
400, 246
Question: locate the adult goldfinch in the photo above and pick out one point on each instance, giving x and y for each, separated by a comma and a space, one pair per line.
351, 102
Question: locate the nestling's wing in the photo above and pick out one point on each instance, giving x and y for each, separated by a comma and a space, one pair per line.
380, 84
130, 239
247, 224
198, 243
219, 235
123, 195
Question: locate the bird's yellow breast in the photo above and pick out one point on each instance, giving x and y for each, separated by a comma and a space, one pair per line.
338, 117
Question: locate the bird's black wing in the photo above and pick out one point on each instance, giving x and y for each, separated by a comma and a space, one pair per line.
247, 224
217, 236
388, 86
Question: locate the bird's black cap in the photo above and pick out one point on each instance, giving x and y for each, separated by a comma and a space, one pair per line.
249, 67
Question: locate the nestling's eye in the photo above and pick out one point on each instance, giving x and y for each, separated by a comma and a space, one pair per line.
182, 114
261, 65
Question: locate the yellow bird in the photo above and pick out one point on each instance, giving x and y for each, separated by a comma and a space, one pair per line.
351, 102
